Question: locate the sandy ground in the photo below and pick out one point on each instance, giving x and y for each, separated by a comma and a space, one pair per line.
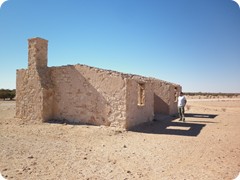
207, 146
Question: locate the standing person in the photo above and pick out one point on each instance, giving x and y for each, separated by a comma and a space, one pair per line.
181, 104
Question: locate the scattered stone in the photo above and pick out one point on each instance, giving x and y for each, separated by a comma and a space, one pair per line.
117, 132
114, 161
30, 157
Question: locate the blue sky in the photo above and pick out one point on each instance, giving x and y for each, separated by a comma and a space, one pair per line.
194, 43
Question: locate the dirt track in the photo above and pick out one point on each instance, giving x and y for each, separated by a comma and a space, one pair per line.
207, 146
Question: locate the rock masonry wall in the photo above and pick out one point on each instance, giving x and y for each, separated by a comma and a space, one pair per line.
83, 94
89, 95
34, 88
139, 111
165, 97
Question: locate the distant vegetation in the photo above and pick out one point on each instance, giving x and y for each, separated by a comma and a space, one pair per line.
211, 94
7, 94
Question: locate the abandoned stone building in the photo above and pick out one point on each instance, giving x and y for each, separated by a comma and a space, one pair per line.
83, 94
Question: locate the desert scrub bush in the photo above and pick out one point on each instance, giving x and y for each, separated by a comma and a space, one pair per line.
188, 107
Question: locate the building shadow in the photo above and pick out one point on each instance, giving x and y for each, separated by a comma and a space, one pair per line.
196, 117
160, 107
68, 122
168, 127
193, 115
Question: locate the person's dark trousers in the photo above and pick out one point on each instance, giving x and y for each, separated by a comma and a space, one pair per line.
181, 113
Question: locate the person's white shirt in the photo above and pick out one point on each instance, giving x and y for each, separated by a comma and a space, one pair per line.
181, 101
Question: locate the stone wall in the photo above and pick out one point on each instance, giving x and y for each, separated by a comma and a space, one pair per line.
165, 95
89, 95
83, 94
139, 102
33, 86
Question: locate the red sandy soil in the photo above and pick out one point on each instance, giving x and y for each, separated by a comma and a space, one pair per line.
206, 146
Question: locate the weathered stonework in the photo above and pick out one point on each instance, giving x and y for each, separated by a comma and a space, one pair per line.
83, 94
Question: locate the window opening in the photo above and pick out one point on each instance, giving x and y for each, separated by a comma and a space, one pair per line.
141, 94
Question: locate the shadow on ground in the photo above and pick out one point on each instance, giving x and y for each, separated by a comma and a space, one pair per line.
170, 126
195, 117
211, 116
67, 122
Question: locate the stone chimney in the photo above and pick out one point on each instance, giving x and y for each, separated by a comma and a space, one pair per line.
37, 53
